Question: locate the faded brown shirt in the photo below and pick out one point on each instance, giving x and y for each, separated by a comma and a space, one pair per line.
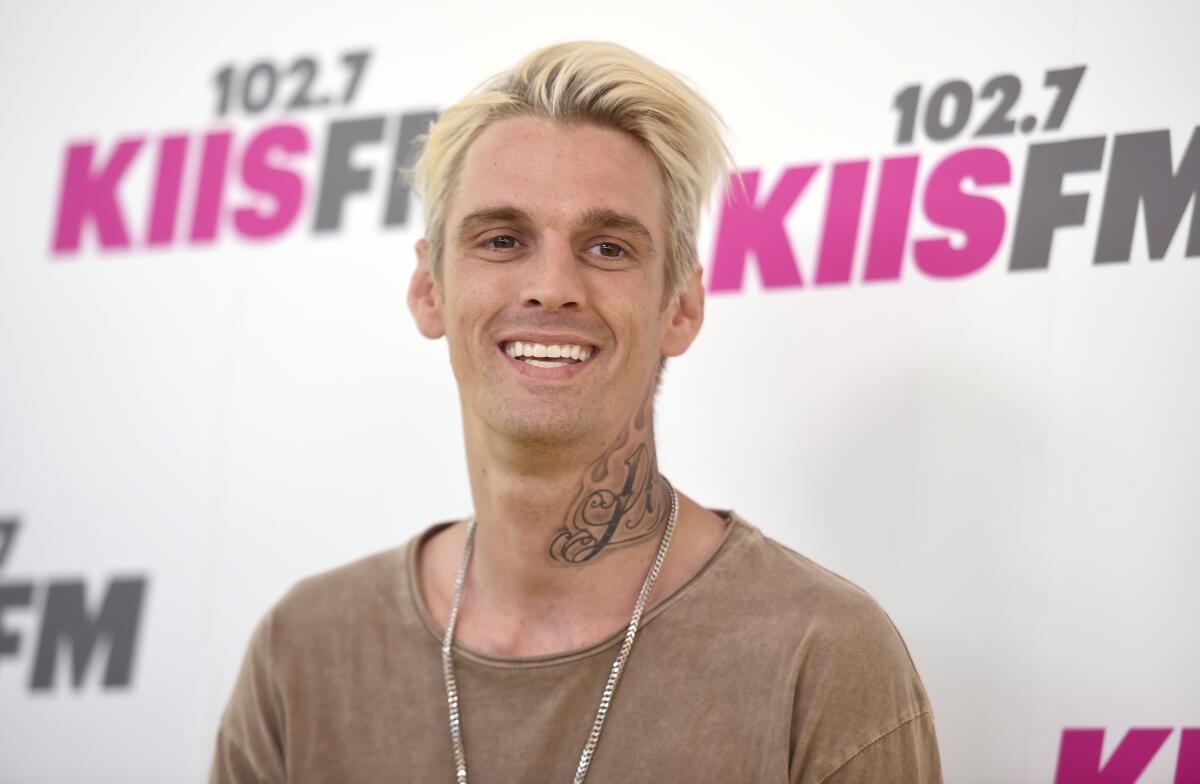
763, 667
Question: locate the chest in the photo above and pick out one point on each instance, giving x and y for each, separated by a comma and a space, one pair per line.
666, 723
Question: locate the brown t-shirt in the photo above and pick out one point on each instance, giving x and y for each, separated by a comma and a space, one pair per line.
762, 667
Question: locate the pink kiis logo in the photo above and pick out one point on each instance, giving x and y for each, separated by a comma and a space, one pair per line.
1079, 757
195, 210
90, 191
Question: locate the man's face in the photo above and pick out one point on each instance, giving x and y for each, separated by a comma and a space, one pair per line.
555, 239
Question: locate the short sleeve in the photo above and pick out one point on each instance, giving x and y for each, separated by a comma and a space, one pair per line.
860, 712
249, 745
906, 755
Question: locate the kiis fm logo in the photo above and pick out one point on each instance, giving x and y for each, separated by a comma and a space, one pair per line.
66, 623
1140, 175
211, 183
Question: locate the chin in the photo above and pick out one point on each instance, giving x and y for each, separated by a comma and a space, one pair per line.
534, 429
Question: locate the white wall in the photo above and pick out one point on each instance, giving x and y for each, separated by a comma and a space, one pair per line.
1006, 460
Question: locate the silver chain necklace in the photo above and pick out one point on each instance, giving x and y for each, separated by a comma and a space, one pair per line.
585, 759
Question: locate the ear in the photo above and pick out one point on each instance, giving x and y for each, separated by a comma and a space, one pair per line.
424, 296
685, 315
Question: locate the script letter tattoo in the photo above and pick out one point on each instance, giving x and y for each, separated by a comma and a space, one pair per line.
621, 499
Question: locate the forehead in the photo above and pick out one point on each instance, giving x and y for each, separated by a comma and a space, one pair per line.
556, 172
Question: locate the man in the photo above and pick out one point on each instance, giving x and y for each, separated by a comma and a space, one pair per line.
588, 620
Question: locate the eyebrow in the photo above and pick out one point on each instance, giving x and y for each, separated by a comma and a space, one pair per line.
595, 218
473, 220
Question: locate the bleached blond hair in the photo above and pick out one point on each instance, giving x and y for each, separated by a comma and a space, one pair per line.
588, 82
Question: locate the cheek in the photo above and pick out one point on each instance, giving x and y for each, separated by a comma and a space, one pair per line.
633, 313
466, 312
645, 342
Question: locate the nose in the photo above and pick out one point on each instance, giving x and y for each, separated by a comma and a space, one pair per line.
553, 277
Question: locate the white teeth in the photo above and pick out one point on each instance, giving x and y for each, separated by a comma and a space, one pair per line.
518, 349
544, 363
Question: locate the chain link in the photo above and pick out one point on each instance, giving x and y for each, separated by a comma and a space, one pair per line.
585, 758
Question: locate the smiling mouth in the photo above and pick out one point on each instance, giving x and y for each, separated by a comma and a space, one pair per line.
546, 355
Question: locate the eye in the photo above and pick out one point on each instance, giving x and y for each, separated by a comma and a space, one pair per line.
501, 242
609, 250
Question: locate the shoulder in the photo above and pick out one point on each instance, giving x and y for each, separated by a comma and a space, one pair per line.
356, 585
297, 653
851, 679
816, 605
362, 605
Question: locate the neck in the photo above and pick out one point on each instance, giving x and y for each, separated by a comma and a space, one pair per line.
569, 531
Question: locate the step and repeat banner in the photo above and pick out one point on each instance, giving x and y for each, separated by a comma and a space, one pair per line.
952, 347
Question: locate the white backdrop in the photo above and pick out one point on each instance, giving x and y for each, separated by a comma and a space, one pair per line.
1006, 459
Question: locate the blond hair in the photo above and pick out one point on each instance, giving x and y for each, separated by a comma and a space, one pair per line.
601, 83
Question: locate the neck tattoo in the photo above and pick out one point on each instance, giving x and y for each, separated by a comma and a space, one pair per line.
619, 500
589, 748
